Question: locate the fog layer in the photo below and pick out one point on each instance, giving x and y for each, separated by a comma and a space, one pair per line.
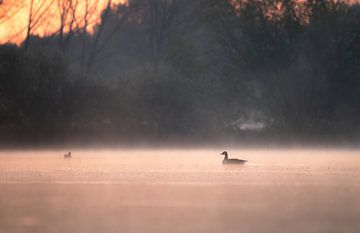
180, 191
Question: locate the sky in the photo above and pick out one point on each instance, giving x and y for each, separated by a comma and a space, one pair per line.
14, 17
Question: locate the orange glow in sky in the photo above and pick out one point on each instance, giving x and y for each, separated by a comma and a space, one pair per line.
14, 17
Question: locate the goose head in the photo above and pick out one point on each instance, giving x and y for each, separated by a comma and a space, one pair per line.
225, 155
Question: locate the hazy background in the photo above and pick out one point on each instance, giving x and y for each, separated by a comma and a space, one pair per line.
180, 71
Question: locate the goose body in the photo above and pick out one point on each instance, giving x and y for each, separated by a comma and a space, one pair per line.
226, 160
67, 156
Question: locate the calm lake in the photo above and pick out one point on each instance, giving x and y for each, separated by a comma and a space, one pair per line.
155, 191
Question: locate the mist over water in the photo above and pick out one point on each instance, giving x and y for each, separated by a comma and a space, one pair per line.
197, 167
180, 191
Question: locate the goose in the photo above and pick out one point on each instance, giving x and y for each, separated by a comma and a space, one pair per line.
67, 156
231, 161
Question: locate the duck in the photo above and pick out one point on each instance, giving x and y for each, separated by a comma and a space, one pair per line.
231, 161
67, 156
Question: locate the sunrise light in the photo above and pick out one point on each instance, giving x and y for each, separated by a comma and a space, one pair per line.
46, 16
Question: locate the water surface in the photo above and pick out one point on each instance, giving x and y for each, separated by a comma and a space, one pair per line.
180, 191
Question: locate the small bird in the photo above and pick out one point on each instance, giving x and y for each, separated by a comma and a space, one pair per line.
67, 156
231, 161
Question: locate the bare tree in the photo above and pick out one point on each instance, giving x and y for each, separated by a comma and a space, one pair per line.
166, 20
82, 26
102, 37
73, 20
76, 17
64, 7
93, 50
37, 12
162, 15
159, 20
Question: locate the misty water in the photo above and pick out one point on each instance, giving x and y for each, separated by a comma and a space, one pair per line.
180, 191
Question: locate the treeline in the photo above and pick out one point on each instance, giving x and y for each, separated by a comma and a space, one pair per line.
185, 71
